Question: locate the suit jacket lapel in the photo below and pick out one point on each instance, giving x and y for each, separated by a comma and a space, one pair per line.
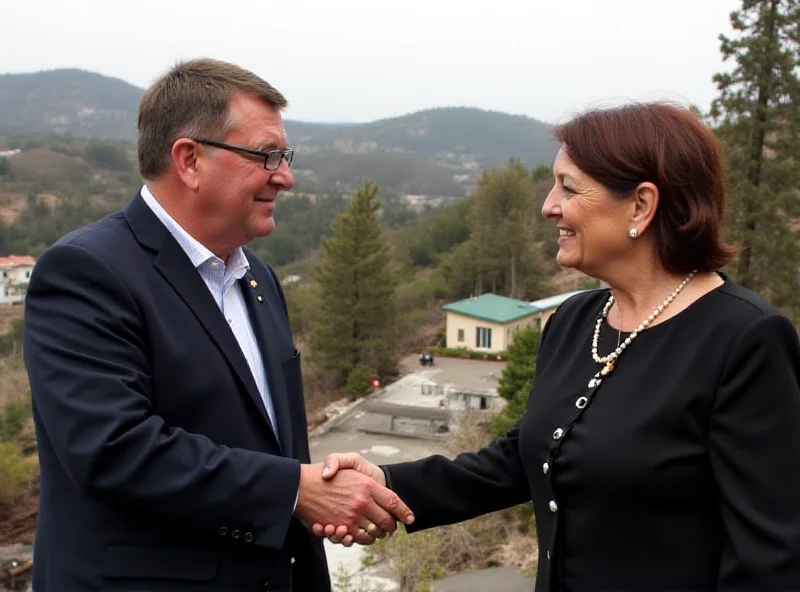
173, 263
262, 316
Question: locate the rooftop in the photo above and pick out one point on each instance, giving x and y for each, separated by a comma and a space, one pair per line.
491, 307
16, 261
553, 301
500, 309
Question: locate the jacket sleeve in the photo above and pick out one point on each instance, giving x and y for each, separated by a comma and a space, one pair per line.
754, 448
85, 348
442, 491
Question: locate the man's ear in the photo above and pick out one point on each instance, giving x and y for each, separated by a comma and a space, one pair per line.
184, 156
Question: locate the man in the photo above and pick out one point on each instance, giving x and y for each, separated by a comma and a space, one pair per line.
166, 389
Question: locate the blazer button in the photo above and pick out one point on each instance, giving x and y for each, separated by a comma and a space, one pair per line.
557, 434
236, 534
553, 507
545, 468
248, 537
223, 531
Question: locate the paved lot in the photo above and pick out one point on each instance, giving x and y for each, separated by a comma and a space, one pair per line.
455, 372
496, 579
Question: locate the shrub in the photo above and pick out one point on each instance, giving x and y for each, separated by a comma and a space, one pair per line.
13, 416
463, 352
108, 156
359, 381
16, 473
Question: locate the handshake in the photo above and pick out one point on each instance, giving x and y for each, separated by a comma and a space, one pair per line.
346, 500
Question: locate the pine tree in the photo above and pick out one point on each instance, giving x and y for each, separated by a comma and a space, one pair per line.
501, 255
517, 378
758, 118
357, 282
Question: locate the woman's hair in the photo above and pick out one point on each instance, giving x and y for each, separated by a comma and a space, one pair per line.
669, 146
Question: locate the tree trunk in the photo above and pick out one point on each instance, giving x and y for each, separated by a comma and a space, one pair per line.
756, 157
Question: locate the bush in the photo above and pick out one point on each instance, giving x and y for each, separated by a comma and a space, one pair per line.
463, 352
11, 340
5, 168
420, 559
106, 155
13, 416
16, 473
359, 381
512, 412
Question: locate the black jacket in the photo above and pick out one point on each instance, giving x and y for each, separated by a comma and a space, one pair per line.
160, 469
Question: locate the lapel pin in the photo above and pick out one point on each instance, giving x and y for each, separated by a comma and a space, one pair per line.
260, 298
253, 284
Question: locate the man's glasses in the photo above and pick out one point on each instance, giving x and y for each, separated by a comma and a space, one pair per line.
272, 159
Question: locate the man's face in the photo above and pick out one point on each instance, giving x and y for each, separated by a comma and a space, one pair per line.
236, 197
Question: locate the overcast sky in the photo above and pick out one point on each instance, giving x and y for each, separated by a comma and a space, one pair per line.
360, 60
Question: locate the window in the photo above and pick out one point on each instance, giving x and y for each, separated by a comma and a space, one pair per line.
461, 335
483, 337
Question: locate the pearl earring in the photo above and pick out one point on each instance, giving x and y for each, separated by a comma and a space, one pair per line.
633, 233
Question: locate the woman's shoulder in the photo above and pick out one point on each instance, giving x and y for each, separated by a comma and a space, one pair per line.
585, 303
746, 304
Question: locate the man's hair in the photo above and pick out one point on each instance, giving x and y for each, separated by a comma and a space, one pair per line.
192, 100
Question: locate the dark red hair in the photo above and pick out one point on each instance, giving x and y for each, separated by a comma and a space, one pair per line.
672, 148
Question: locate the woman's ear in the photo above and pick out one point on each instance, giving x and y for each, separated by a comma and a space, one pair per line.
645, 205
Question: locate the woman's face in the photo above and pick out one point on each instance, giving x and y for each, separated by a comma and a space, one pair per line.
593, 224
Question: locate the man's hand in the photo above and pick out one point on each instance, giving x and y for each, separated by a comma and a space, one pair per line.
362, 508
333, 464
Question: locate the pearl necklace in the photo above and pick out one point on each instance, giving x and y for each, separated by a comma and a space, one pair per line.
611, 358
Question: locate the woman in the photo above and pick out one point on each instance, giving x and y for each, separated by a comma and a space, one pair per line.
661, 443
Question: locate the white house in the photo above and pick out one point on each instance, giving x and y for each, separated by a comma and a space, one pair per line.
15, 273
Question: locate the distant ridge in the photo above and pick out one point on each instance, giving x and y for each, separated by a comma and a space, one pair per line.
438, 151
69, 101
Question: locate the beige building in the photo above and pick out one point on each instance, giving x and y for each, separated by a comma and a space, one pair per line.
15, 273
488, 323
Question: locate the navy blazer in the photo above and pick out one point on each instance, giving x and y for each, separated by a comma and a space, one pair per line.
160, 469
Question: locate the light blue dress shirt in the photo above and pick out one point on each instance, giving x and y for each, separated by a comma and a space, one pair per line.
221, 278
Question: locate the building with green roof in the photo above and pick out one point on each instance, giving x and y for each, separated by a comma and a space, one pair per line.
488, 322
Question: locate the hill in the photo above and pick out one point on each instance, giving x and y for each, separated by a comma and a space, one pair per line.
433, 152
68, 101
457, 137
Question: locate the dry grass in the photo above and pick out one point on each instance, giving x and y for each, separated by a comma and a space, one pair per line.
8, 314
14, 382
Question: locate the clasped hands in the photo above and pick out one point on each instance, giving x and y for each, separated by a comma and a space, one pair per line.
346, 500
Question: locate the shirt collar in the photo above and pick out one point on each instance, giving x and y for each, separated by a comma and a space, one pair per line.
237, 264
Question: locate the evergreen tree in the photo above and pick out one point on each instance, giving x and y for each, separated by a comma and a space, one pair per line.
517, 378
356, 282
502, 254
758, 118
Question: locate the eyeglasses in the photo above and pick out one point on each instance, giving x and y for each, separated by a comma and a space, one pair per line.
272, 159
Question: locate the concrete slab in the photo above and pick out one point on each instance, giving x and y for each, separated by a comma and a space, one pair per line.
496, 579
456, 372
